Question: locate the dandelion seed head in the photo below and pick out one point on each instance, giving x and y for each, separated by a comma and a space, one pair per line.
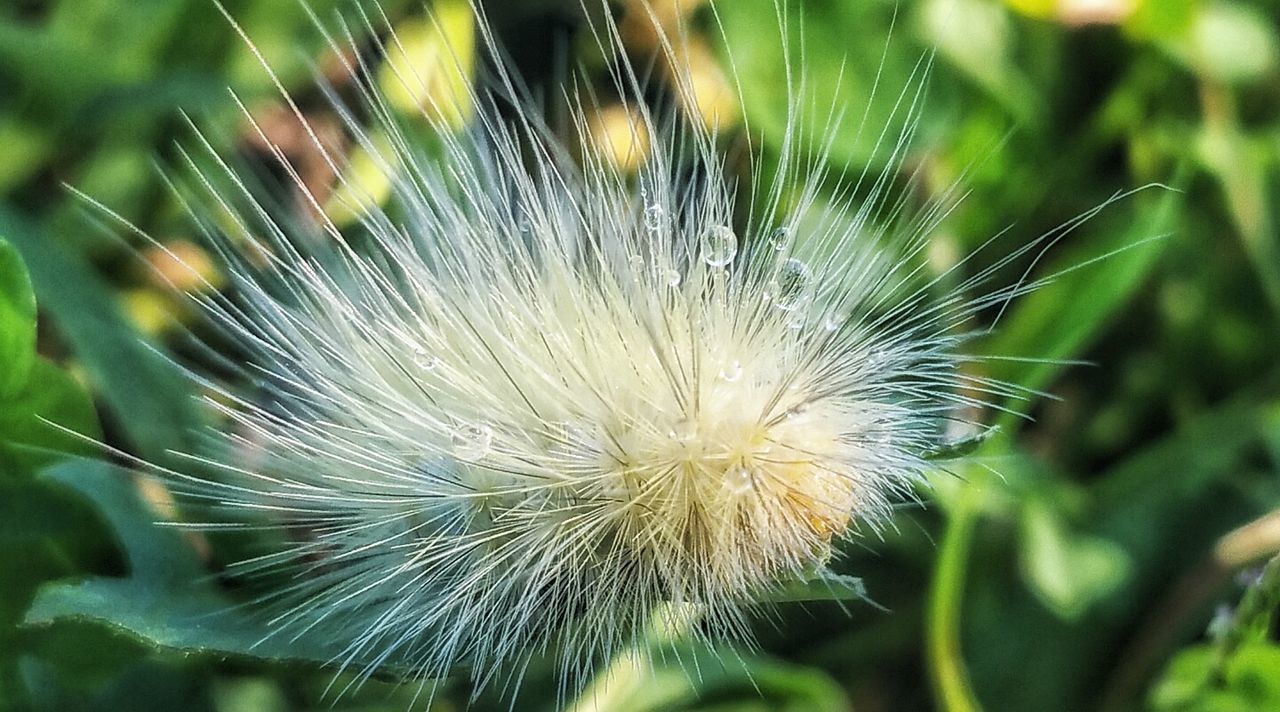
546, 387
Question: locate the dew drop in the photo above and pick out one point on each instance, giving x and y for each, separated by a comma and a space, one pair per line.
636, 263
791, 288
780, 239
834, 321
654, 216
671, 277
796, 319
731, 372
683, 431
472, 441
424, 360
719, 246
740, 479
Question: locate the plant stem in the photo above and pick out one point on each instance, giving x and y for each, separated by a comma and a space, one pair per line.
948, 675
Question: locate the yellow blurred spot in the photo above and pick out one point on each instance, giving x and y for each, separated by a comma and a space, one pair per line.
151, 311
184, 266
620, 135
366, 182
158, 496
645, 22
1043, 9
1095, 12
430, 63
1077, 12
702, 87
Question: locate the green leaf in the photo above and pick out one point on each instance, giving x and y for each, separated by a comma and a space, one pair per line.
824, 586
34, 422
1068, 571
1252, 681
1162, 19
858, 74
962, 447
688, 676
39, 402
17, 321
45, 532
167, 602
149, 396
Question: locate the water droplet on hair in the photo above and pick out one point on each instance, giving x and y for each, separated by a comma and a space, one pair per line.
834, 321
719, 246
636, 263
731, 372
740, 479
472, 441
424, 360
654, 216
671, 277
791, 288
683, 431
780, 239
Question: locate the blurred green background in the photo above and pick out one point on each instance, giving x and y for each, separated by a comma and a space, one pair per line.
1105, 553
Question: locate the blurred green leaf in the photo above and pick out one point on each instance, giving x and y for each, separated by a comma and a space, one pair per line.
1252, 681
1067, 570
825, 586
167, 601
1250, 180
1230, 42
32, 390
695, 677
977, 37
1162, 19
962, 447
1096, 276
251, 695
149, 396
17, 321
858, 74
39, 423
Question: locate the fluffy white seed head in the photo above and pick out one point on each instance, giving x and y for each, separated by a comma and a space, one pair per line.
529, 400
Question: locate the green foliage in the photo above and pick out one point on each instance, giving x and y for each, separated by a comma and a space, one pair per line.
1061, 566
166, 601
152, 400
1251, 683
17, 322
44, 531
825, 586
